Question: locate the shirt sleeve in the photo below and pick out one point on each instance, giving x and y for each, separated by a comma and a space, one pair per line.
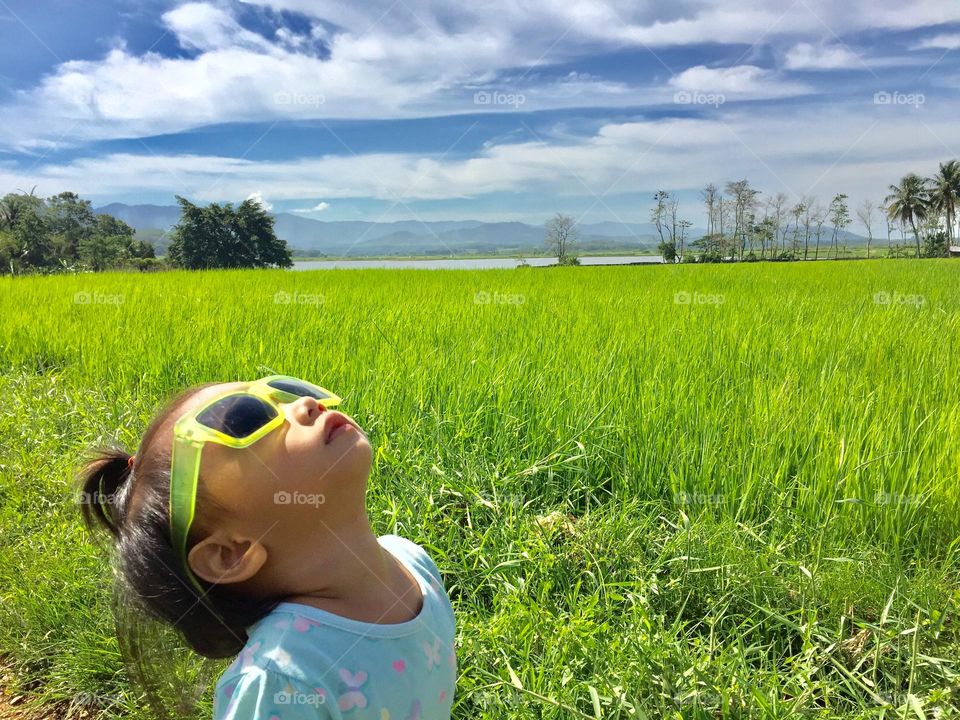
418, 556
259, 694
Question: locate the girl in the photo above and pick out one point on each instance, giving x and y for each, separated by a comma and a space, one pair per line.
241, 521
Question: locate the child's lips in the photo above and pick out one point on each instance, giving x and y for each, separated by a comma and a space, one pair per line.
335, 425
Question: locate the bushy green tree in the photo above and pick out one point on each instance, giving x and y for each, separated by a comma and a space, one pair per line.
936, 244
221, 236
70, 222
111, 244
27, 243
668, 250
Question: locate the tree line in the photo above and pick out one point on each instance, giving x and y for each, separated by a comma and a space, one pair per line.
741, 225
62, 233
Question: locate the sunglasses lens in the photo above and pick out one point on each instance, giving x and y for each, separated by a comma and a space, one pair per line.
299, 388
237, 415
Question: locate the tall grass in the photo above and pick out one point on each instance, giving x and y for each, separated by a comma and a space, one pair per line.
746, 476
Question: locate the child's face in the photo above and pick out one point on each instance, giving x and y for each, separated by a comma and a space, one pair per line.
306, 478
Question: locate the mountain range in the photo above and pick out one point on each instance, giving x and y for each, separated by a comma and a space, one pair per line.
357, 238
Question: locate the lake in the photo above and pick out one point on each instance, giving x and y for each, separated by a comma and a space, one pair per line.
469, 263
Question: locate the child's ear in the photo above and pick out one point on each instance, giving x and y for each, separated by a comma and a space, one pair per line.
224, 560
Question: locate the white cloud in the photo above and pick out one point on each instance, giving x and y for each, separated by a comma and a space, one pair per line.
945, 41
740, 81
417, 58
807, 56
797, 151
681, 22
202, 26
319, 207
257, 197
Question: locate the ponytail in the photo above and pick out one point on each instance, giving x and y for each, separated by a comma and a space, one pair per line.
101, 479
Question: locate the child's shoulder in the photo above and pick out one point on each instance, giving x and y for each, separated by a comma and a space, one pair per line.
414, 554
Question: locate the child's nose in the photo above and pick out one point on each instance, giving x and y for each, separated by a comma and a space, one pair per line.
307, 408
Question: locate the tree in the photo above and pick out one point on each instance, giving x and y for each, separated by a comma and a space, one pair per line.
885, 214
27, 241
945, 194
668, 251
936, 243
562, 235
865, 215
71, 221
766, 231
909, 202
777, 212
744, 201
811, 210
818, 216
109, 226
219, 236
99, 252
658, 215
674, 208
798, 210
684, 225
840, 218
111, 244
721, 216
709, 195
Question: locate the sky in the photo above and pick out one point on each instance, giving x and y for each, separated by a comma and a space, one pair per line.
491, 110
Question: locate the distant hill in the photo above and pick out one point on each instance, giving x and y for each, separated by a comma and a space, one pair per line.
161, 217
405, 237
308, 237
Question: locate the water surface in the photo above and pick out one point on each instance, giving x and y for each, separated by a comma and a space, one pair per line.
469, 263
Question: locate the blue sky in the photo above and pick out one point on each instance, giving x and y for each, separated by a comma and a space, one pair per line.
400, 109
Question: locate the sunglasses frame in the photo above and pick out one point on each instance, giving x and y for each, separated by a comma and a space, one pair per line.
189, 437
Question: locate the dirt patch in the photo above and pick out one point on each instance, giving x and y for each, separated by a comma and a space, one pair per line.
17, 705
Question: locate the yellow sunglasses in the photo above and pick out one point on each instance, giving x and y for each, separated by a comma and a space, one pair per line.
237, 419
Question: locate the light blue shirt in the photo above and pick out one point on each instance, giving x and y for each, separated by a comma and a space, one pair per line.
303, 663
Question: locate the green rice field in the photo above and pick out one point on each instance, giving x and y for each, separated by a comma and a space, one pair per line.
726, 491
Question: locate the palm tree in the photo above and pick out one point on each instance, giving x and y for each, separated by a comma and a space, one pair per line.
909, 202
945, 193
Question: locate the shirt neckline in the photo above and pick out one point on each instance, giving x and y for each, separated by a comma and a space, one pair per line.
326, 617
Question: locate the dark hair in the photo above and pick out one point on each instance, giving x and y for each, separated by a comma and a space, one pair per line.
151, 588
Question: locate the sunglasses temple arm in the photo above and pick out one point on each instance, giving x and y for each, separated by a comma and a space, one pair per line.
184, 476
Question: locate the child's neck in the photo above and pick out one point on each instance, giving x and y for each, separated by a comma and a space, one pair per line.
358, 579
